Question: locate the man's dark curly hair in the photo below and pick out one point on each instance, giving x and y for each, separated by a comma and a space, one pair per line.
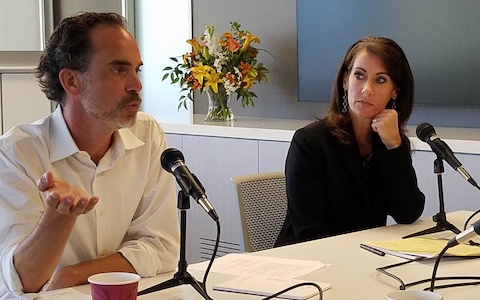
70, 47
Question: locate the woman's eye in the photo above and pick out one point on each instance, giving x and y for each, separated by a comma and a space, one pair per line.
381, 80
358, 75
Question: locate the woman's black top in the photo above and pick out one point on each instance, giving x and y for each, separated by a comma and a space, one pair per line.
333, 190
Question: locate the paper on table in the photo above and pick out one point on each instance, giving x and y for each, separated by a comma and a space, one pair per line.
423, 247
266, 286
64, 294
247, 264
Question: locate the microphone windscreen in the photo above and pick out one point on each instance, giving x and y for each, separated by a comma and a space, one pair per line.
169, 156
425, 131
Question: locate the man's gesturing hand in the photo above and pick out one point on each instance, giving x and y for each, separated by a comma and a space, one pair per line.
63, 197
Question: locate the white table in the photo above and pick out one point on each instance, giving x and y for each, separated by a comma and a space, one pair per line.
352, 274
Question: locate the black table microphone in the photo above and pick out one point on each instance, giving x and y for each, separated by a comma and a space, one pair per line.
426, 133
172, 160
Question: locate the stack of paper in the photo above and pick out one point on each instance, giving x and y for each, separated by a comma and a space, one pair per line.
266, 286
264, 276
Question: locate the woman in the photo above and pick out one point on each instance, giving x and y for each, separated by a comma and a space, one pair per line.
350, 170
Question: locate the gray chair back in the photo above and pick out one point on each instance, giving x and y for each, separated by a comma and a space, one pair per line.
262, 200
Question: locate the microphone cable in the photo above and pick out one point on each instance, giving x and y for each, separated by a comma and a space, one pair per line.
469, 219
434, 273
435, 267
214, 254
470, 242
320, 291
442, 253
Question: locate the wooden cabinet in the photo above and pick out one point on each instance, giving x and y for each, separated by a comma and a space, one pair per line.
22, 100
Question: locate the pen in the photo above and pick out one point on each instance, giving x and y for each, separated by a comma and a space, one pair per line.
373, 250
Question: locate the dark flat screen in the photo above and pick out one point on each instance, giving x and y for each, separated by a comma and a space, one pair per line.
441, 39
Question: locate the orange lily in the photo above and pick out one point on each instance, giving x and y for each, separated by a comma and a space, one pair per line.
233, 45
195, 85
245, 68
230, 78
230, 42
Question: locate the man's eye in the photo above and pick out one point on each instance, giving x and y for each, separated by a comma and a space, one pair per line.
119, 70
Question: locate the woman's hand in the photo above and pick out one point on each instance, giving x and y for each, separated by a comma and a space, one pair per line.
385, 124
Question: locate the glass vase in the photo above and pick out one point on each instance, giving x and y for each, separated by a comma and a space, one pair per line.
218, 109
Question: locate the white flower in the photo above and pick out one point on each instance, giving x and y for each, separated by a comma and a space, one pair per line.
230, 87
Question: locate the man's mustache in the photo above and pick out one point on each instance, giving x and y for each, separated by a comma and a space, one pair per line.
130, 98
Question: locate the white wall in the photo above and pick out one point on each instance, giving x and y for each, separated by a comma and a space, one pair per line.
162, 28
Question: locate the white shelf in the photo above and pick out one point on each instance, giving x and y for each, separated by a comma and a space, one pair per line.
242, 127
17, 69
461, 140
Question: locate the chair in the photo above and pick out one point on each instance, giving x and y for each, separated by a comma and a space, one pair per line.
262, 200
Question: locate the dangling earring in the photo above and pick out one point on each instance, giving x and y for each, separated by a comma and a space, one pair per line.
394, 106
345, 103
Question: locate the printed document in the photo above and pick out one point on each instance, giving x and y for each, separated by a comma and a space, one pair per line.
247, 264
63, 294
266, 286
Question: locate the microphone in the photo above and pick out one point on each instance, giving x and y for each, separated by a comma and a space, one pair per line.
465, 235
172, 160
426, 133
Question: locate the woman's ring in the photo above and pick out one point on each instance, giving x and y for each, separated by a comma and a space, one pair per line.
375, 120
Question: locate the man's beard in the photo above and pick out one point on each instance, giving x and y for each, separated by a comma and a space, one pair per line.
114, 118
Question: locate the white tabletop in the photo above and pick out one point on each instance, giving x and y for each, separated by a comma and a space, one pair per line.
353, 272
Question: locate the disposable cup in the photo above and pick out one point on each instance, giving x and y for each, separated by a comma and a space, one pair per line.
114, 286
414, 295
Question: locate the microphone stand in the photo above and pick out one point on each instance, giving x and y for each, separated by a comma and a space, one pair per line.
182, 276
440, 218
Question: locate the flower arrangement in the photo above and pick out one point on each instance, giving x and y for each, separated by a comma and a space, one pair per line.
219, 66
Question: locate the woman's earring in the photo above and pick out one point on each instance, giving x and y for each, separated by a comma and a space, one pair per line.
394, 106
345, 103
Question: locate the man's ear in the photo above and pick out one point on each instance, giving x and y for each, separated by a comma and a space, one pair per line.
70, 81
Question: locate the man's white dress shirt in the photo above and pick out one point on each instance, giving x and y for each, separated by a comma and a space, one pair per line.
137, 209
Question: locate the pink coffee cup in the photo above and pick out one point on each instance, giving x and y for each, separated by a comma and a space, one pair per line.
114, 286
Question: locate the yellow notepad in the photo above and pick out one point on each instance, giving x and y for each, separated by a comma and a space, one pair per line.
423, 247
